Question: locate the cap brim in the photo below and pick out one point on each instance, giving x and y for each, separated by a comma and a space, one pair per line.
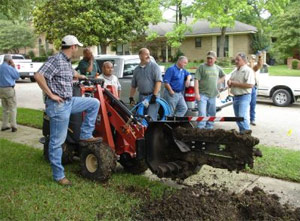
79, 44
210, 56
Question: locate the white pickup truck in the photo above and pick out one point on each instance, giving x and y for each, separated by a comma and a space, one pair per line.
25, 67
283, 90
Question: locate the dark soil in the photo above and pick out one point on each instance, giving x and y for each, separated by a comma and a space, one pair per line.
203, 203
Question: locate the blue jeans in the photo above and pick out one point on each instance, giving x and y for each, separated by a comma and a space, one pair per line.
253, 104
59, 114
177, 103
206, 108
241, 109
152, 109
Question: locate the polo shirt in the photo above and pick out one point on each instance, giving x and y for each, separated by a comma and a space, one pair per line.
175, 77
8, 75
144, 78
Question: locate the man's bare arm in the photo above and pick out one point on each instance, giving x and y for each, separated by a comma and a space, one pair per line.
157, 87
132, 92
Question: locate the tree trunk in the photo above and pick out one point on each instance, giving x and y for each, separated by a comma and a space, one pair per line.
103, 48
222, 43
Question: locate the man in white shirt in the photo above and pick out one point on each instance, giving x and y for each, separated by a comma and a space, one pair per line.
109, 78
241, 83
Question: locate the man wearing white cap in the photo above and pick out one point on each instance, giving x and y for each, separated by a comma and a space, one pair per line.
55, 79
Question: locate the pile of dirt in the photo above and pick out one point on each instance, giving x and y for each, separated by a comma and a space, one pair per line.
204, 203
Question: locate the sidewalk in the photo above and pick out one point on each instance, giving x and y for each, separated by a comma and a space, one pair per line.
288, 192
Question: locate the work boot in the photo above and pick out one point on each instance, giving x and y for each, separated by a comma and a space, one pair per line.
5, 128
64, 182
92, 140
246, 132
253, 123
13, 129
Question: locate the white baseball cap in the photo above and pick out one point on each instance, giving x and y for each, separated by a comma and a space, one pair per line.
70, 40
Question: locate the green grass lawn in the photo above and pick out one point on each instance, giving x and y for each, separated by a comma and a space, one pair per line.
278, 163
277, 70
27, 191
28, 117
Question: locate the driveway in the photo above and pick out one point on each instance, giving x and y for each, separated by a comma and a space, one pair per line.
276, 126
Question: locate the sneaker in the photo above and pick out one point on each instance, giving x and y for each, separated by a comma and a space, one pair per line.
64, 182
13, 129
253, 123
92, 140
5, 128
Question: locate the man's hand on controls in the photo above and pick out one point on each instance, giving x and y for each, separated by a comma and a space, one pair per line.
131, 101
153, 99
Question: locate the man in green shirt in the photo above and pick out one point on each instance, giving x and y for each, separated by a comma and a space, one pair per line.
207, 77
88, 66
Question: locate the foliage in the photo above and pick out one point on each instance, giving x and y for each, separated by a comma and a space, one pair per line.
220, 13
287, 31
295, 64
15, 36
176, 36
177, 55
94, 22
260, 41
40, 59
30, 54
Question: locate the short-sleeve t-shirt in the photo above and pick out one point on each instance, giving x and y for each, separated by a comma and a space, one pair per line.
144, 78
243, 75
111, 80
83, 66
208, 77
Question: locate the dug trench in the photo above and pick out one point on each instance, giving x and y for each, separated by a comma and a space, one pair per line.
204, 202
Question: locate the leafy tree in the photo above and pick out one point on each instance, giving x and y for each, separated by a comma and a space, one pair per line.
287, 31
176, 36
15, 36
95, 22
220, 13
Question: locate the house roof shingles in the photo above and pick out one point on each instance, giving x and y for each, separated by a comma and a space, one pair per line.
202, 27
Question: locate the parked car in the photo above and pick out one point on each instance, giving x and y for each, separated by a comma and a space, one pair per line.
25, 67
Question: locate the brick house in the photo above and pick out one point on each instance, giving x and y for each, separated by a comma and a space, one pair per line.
203, 38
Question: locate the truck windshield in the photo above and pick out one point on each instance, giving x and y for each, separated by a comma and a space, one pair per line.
130, 65
17, 57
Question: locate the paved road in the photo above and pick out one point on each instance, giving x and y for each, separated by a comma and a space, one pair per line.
276, 126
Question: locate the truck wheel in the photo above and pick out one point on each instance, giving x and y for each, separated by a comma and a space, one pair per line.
281, 97
97, 161
32, 79
68, 152
133, 165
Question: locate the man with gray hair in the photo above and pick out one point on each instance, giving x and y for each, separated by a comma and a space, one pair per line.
176, 79
207, 77
8, 77
241, 83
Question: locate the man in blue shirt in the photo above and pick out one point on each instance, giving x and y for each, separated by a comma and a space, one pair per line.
176, 79
8, 77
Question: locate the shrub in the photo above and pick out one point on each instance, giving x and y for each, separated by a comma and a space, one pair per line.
177, 55
31, 54
294, 64
224, 62
40, 59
